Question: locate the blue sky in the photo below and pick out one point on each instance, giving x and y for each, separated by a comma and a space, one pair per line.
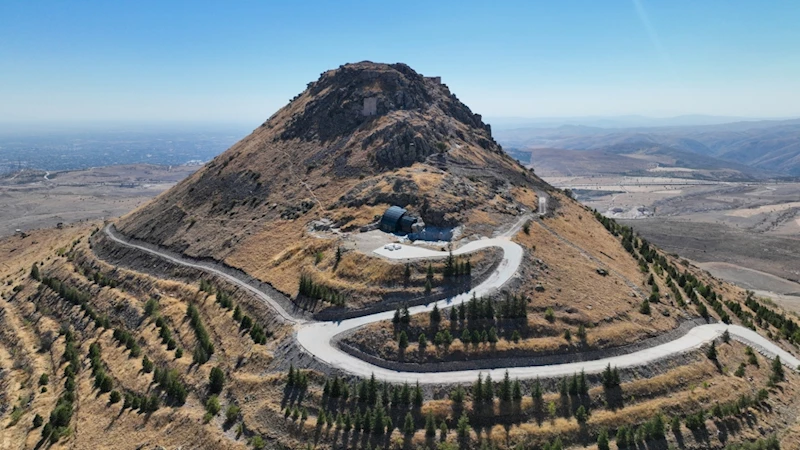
241, 61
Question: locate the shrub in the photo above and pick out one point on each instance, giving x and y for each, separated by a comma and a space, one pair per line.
696, 421
581, 333
37, 419
644, 308
212, 405
581, 415
231, 413
676, 424
257, 442
44, 379
114, 397
457, 395
777, 370
549, 315
150, 307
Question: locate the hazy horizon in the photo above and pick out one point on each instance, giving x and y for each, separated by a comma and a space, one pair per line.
242, 62
497, 122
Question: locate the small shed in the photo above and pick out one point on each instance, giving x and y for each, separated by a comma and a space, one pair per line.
390, 222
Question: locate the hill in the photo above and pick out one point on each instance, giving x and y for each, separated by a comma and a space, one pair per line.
325, 156
253, 305
767, 148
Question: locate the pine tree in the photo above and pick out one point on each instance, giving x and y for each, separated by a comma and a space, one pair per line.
602, 440
405, 395
216, 379
408, 425
402, 341
418, 398
536, 392
372, 390
477, 390
583, 385
488, 390
505, 388
777, 370
405, 316
644, 308
35, 272
436, 316
516, 391
711, 353
430, 425
581, 415
463, 426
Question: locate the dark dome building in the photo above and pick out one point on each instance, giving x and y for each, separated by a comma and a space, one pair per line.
390, 222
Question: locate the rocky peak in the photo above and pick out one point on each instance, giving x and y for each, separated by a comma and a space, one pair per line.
406, 116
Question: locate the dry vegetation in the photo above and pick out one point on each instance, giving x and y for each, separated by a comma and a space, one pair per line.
140, 361
33, 315
563, 255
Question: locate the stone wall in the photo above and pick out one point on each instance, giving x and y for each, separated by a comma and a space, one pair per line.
520, 360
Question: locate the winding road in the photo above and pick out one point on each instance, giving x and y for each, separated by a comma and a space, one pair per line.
316, 338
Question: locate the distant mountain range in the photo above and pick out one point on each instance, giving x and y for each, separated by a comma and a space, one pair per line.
766, 145
629, 121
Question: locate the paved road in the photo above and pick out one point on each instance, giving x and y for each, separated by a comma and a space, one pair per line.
316, 337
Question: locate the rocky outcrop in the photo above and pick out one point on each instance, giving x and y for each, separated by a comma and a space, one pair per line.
407, 116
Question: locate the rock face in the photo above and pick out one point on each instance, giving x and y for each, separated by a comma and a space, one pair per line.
367, 95
362, 136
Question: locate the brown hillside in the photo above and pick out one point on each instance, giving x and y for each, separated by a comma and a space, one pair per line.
320, 156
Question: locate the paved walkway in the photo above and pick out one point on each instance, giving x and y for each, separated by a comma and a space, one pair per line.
316, 337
